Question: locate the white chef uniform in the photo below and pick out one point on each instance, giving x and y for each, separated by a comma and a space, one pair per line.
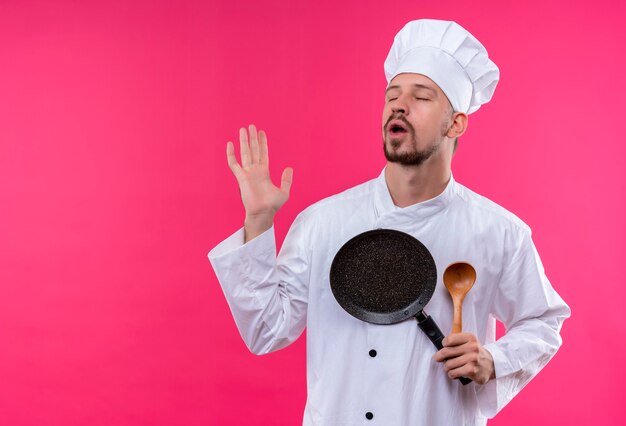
365, 374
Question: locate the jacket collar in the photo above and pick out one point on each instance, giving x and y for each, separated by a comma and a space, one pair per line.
384, 204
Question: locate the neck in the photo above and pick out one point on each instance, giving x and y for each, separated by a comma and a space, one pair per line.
410, 185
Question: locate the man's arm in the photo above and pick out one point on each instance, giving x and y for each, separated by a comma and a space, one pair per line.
532, 313
267, 295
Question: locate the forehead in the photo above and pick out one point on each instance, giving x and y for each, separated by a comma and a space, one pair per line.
407, 81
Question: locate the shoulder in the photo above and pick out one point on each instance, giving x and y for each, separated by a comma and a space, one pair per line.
487, 210
350, 199
324, 220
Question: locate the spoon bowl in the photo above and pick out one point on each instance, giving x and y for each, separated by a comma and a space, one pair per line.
459, 278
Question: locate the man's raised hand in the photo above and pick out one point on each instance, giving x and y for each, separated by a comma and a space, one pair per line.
261, 198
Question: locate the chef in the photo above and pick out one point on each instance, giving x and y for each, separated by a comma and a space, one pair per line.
360, 373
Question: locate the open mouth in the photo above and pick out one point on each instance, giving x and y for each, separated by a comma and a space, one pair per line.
397, 127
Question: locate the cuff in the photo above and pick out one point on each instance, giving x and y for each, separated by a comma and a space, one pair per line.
236, 243
489, 395
238, 266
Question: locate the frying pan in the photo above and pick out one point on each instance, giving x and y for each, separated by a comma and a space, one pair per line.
385, 276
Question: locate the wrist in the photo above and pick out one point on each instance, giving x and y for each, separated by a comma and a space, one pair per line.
254, 226
490, 365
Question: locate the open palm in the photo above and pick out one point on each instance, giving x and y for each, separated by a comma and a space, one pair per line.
261, 198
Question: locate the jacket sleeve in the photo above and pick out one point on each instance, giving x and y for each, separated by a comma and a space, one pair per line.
267, 295
532, 313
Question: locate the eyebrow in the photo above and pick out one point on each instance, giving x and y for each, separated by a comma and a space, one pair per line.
416, 86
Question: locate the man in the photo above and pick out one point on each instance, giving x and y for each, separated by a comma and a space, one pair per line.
358, 372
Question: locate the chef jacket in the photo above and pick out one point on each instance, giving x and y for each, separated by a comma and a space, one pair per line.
367, 374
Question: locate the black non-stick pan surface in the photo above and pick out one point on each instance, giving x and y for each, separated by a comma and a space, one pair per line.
384, 277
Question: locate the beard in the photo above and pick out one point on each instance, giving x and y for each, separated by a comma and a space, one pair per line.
413, 156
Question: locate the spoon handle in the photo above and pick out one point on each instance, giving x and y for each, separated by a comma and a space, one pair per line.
457, 321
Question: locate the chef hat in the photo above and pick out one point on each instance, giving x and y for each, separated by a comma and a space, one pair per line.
450, 56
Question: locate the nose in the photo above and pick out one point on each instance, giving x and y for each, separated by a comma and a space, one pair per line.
400, 106
398, 109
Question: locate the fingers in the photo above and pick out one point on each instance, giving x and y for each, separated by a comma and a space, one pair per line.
286, 179
457, 362
263, 154
470, 366
232, 160
253, 151
469, 370
246, 159
254, 145
456, 339
454, 351
464, 356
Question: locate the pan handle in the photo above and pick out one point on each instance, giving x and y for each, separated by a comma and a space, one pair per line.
430, 328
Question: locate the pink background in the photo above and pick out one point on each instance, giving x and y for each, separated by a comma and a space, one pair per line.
114, 117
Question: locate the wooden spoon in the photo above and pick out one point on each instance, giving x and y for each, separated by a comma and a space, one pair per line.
459, 278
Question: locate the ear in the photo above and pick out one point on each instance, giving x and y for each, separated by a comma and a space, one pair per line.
458, 125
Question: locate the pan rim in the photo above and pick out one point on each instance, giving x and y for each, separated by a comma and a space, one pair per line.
387, 317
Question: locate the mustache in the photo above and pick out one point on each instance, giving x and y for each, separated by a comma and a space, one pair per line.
400, 116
